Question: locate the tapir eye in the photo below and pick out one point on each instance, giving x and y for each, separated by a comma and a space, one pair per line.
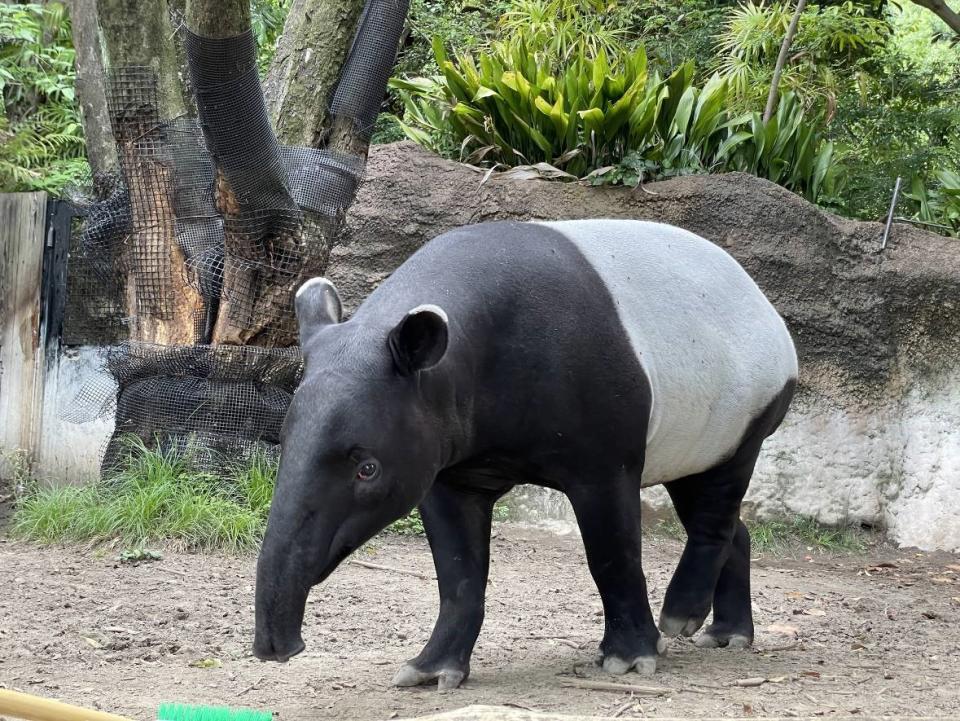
368, 470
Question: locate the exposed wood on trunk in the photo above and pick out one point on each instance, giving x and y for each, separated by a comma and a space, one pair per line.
91, 90
164, 305
255, 304
248, 311
22, 218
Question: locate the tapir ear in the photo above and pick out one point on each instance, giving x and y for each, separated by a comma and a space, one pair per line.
317, 303
419, 340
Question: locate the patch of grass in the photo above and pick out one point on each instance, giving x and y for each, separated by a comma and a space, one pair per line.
412, 525
156, 495
783, 535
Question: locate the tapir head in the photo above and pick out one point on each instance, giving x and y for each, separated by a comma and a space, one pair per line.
359, 450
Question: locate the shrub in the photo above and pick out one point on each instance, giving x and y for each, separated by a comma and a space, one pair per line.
609, 116
41, 140
937, 205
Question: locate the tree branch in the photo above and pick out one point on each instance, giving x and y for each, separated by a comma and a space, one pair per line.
781, 59
942, 11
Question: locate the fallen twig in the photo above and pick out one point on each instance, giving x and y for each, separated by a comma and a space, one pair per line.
626, 707
393, 569
513, 704
174, 571
618, 687
250, 688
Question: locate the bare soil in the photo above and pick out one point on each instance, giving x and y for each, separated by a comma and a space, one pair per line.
874, 633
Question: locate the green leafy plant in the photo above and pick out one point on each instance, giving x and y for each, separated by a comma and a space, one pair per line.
41, 140
786, 149
266, 19
830, 39
521, 104
564, 28
606, 117
937, 205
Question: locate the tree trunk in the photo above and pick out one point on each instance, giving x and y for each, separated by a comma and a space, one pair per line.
314, 63
781, 59
144, 92
263, 218
310, 55
91, 91
218, 18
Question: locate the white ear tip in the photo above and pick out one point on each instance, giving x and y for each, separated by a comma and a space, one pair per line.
430, 308
311, 283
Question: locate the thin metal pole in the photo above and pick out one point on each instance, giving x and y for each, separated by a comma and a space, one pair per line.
893, 205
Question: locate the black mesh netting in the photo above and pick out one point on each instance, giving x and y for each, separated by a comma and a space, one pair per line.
191, 257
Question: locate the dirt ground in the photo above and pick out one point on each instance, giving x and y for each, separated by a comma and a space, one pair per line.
872, 633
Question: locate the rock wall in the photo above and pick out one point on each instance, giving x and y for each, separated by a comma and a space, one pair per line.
874, 435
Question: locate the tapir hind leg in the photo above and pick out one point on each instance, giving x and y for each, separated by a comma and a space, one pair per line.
732, 625
609, 520
457, 521
715, 566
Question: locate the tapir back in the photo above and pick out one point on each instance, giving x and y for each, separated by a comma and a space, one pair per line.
714, 349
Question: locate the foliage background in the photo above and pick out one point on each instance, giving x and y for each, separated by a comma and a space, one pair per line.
878, 80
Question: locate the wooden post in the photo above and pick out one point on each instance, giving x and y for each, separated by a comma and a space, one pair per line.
22, 220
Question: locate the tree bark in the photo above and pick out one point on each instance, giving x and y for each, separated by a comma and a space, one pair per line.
138, 32
261, 226
781, 59
315, 42
218, 18
91, 91
942, 11
145, 92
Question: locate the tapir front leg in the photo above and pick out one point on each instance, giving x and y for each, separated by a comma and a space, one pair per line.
457, 521
609, 520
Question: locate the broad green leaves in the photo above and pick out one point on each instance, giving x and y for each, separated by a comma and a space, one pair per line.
522, 104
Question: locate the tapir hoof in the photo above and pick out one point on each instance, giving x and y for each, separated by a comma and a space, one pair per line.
447, 679
672, 626
715, 638
643, 665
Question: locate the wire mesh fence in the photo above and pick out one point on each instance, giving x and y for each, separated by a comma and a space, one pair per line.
189, 260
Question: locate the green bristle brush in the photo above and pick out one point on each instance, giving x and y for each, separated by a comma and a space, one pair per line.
180, 712
32, 708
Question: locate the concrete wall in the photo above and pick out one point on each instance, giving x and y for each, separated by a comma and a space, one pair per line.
69, 451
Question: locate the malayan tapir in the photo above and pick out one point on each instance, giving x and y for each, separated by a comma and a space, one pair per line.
594, 357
